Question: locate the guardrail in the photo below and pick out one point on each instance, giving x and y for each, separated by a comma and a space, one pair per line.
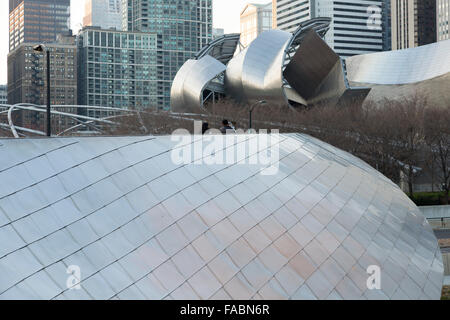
437, 216
436, 212
439, 223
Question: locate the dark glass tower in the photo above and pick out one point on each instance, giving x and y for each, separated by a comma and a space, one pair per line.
426, 20
387, 25
37, 20
414, 23
182, 28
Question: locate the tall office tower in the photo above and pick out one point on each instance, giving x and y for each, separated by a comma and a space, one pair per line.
357, 25
105, 14
443, 19
387, 25
37, 20
413, 23
255, 19
182, 27
27, 76
117, 68
288, 14
274, 14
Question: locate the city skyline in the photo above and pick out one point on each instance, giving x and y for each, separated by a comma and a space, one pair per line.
229, 22
226, 151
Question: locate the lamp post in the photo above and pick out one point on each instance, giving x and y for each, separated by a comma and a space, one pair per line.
42, 48
251, 111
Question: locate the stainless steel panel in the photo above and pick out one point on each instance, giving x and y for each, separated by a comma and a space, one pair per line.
204, 283
192, 225
169, 276
308, 232
190, 82
394, 67
256, 273
273, 291
188, 261
255, 73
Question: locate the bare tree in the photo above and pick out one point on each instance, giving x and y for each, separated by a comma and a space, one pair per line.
393, 136
437, 133
402, 132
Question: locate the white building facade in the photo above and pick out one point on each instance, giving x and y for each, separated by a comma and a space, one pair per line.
255, 19
443, 18
357, 25
106, 14
288, 14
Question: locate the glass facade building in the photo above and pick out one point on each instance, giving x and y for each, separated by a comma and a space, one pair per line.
37, 20
288, 14
106, 14
119, 69
182, 29
358, 26
3, 94
413, 23
27, 74
255, 19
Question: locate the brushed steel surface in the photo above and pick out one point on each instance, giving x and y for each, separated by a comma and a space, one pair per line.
141, 227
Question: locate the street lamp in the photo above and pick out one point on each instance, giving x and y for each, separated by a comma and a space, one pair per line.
251, 111
42, 48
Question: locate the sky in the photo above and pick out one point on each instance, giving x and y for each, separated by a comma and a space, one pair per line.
225, 15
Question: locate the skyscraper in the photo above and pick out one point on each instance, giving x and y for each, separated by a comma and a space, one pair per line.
255, 19
387, 25
358, 26
27, 71
413, 23
3, 94
182, 29
117, 68
288, 14
37, 20
443, 19
105, 14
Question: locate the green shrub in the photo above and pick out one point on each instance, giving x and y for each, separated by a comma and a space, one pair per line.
446, 293
428, 198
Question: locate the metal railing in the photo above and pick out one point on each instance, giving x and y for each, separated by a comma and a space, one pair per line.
108, 114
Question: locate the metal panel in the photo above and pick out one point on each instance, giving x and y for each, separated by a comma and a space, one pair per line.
222, 48
190, 82
401, 66
308, 232
255, 74
311, 64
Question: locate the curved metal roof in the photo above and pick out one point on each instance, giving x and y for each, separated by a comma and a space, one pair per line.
255, 73
319, 25
222, 48
190, 82
140, 226
301, 69
401, 66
